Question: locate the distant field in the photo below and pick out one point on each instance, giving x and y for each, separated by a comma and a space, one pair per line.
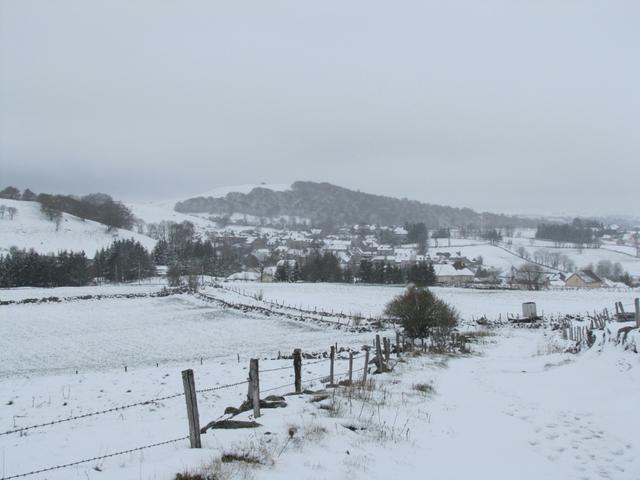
371, 299
108, 334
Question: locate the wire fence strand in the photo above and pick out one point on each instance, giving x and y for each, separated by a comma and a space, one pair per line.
91, 414
87, 460
221, 387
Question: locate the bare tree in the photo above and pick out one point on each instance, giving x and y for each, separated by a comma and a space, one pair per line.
530, 276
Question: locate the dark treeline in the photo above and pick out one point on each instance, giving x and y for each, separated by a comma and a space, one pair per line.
98, 207
22, 268
578, 232
422, 274
123, 261
186, 255
325, 267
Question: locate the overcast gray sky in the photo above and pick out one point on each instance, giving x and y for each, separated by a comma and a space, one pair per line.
515, 106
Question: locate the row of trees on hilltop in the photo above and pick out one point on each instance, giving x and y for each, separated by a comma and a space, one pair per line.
12, 193
98, 207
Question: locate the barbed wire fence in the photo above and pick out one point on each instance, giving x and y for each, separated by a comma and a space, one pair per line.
192, 413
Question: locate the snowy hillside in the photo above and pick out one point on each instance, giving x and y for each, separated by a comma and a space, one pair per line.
30, 228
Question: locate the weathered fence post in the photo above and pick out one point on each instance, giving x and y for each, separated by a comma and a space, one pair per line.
332, 356
397, 344
297, 369
637, 305
379, 354
350, 367
366, 365
254, 386
192, 408
387, 350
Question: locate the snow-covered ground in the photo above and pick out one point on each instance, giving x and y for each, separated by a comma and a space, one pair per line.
515, 408
625, 255
370, 300
31, 229
150, 285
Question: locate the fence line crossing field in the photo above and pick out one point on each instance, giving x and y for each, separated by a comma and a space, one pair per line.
109, 371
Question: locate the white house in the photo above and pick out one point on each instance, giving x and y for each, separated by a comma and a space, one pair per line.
447, 274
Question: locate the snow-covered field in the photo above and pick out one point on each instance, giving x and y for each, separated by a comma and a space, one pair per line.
624, 255
370, 300
31, 229
144, 286
513, 409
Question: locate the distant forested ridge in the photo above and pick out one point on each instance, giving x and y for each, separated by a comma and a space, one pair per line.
323, 203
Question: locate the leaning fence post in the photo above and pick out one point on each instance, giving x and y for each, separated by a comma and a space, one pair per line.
254, 386
366, 365
192, 408
379, 354
350, 367
297, 369
637, 305
332, 356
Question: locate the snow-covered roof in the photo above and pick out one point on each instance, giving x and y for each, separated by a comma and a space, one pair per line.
587, 276
245, 276
448, 270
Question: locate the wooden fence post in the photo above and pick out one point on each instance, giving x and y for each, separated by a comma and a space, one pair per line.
332, 356
387, 350
397, 344
297, 369
254, 386
366, 365
637, 305
350, 367
192, 408
379, 354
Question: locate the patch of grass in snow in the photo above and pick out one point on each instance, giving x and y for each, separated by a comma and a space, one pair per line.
238, 462
424, 388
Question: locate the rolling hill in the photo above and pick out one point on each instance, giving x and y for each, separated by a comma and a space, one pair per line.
30, 228
323, 203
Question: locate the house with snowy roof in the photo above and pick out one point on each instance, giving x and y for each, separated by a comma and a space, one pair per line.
447, 274
584, 279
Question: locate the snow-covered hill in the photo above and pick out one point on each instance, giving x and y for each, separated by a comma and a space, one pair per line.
30, 228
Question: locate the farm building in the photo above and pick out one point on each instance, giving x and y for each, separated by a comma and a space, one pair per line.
449, 275
584, 279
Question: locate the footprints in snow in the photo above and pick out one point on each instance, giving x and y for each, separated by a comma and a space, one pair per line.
576, 442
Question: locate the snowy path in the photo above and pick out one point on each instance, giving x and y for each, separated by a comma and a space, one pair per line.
510, 413
515, 414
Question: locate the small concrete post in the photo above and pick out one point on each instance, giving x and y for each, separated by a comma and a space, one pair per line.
350, 368
637, 305
397, 344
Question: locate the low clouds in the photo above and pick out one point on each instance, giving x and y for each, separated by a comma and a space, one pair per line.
504, 106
